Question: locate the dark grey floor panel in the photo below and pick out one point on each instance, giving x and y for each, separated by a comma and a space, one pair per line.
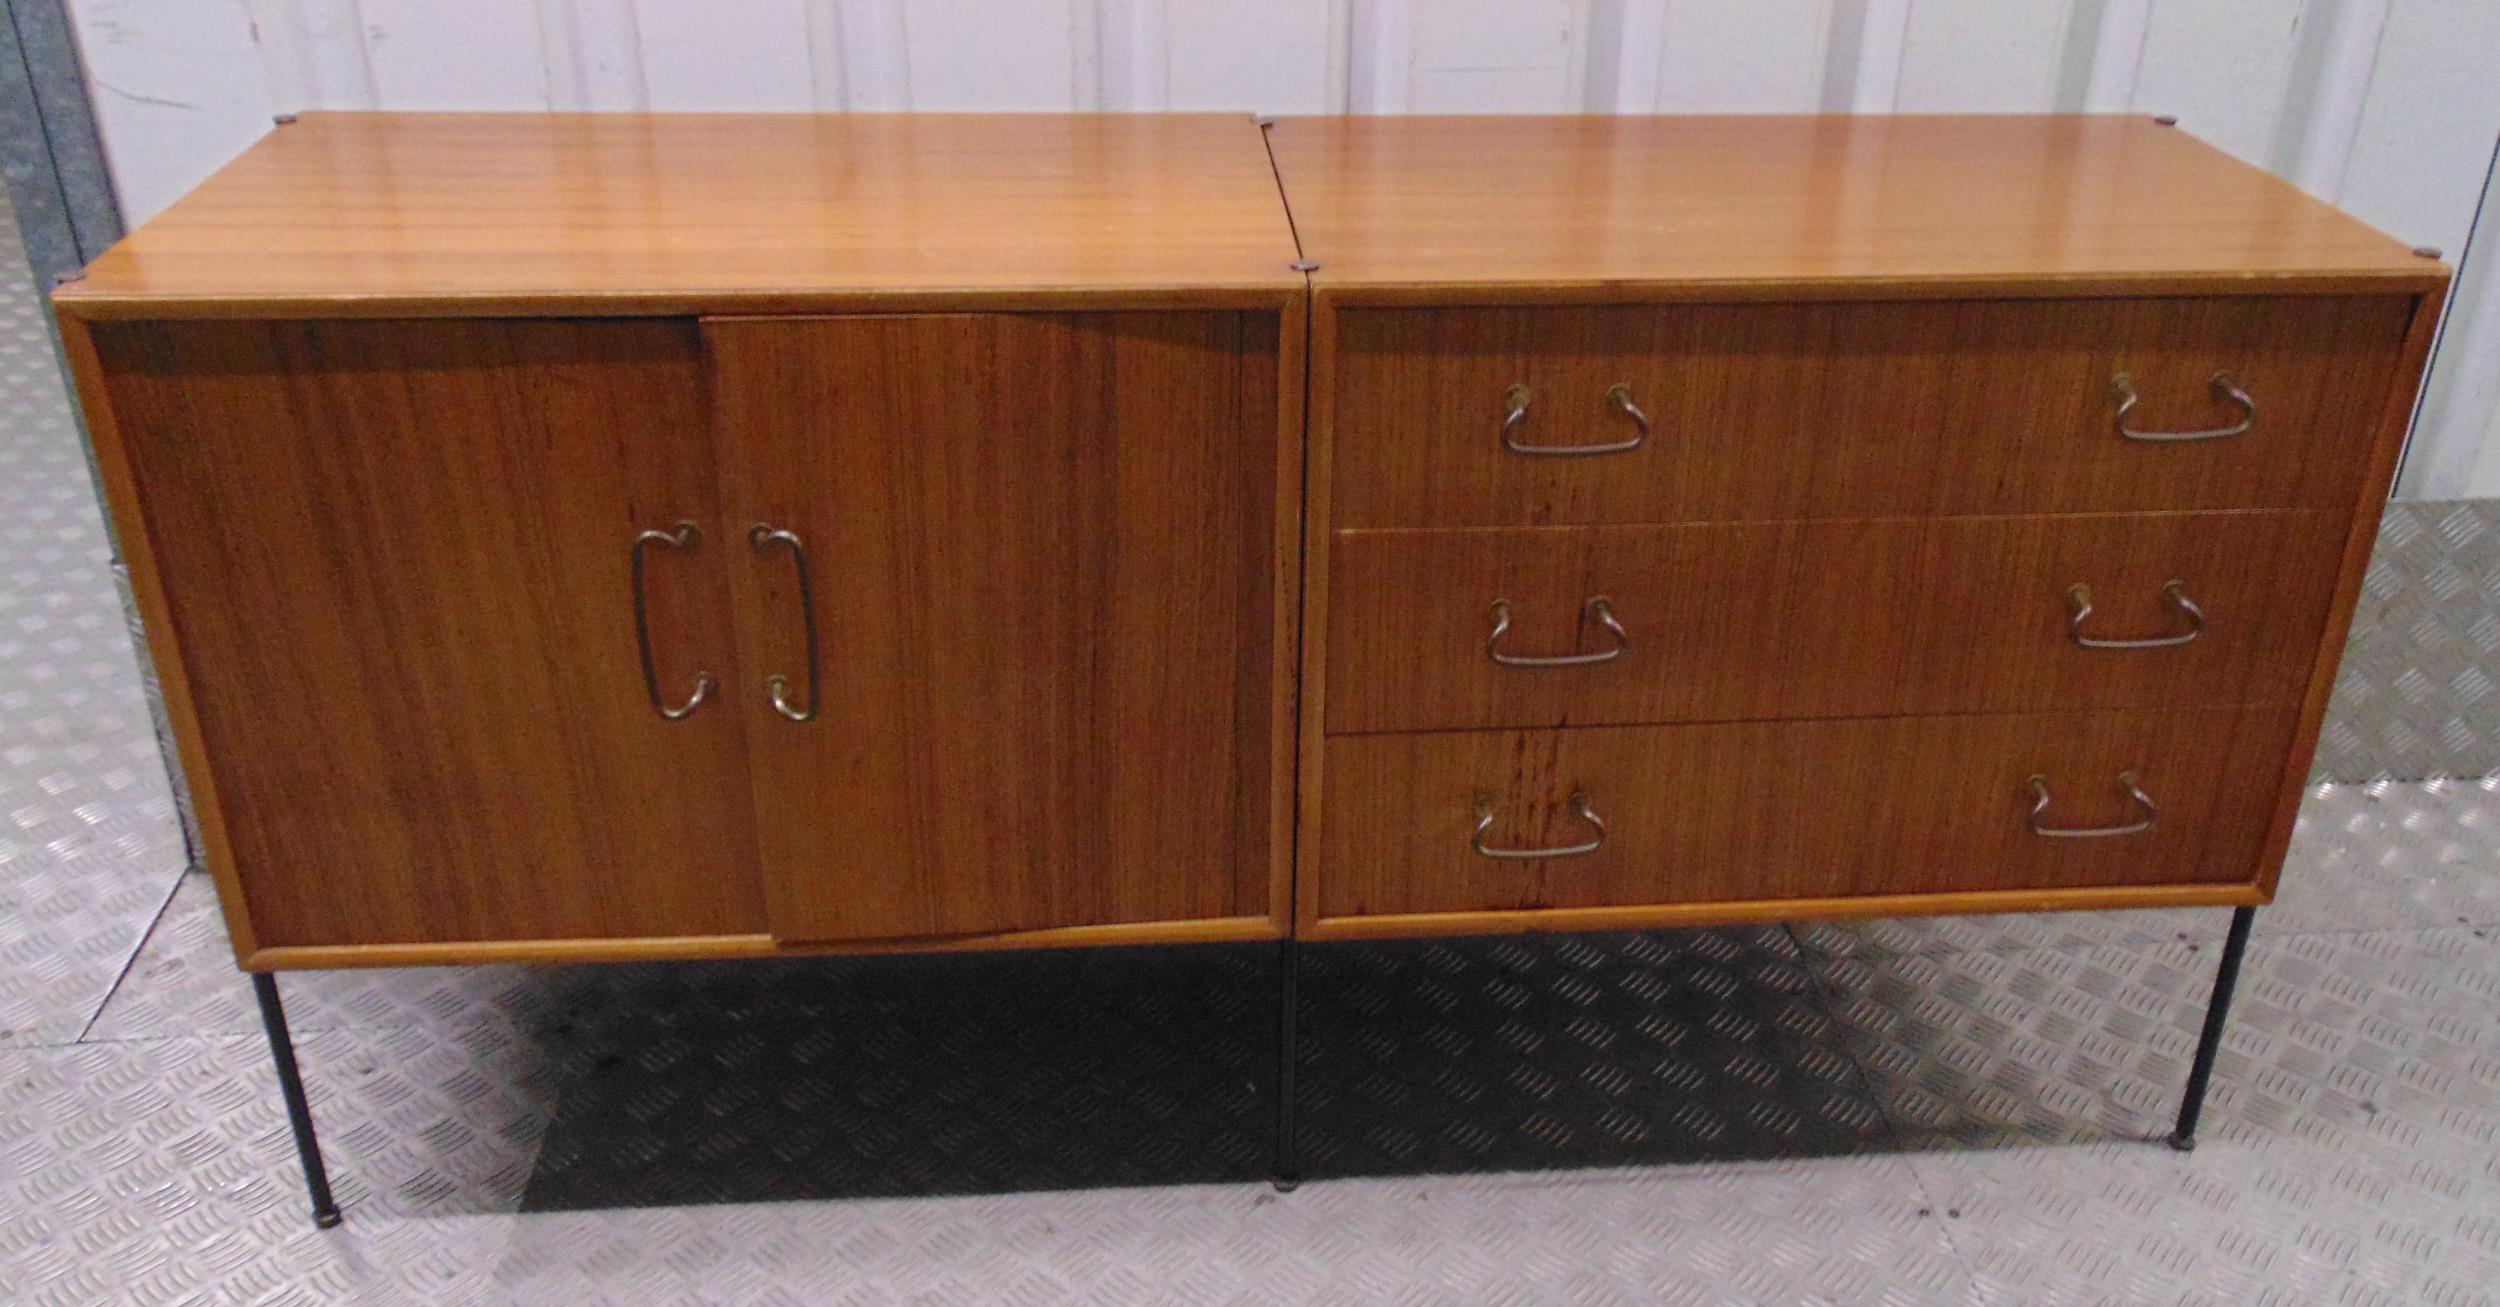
844, 1078
1572, 1050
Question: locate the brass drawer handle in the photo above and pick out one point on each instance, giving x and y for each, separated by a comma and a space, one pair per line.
2173, 593
1619, 394
764, 535
681, 536
2126, 785
2226, 388
1580, 803
1598, 608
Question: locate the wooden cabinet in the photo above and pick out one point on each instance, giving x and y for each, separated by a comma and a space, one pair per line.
545, 594
1778, 518
583, 536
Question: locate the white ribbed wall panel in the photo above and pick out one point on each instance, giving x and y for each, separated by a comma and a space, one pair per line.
2386, 106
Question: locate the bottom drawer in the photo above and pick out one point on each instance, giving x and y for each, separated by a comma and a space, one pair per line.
1765, 811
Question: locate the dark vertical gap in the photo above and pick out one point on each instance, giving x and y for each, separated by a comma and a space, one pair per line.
66, 209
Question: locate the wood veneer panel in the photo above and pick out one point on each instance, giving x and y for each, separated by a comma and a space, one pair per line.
1822, 619
1805, 811
1045, 572
1809, 204
395, 564
1766, 412
400, 212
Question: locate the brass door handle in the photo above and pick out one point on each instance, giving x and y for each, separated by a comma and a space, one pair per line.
1619, 395
764, 536
2173, 593
2127, 785
1581, 804
2226, 388
1600, 608
682, 536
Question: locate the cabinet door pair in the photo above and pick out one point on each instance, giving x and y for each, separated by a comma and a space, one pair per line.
836, 628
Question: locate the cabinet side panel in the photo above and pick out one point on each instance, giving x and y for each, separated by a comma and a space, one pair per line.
130, 522
2394, 418
395, 557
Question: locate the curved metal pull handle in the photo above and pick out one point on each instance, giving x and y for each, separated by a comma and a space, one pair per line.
1619, 394
1580, 803
2226, 388
2081, 598
1598, 608
2126, 785
681, 536
764, 535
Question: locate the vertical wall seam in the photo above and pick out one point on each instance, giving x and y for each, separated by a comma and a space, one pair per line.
2469, 320
560, 76
2322, 114
1337, 85
828, 81
1883, 39
900, 52
371, 87
2117, 55
1086, 64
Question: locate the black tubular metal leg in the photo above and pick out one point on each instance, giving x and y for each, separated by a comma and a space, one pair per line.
325, 1209
2217, 1011
1288, 1174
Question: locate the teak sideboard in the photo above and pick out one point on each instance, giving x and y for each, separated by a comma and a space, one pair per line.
576, 537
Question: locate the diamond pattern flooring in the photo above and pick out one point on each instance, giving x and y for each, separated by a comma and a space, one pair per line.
1899, 1112
89, 847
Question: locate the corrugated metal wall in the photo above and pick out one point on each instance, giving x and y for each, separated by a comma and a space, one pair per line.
2389, 107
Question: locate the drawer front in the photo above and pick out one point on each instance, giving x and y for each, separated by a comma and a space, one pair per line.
1765, 811
1735, 621
1764, 412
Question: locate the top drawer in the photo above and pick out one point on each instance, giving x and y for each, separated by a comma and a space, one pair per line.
1468, 416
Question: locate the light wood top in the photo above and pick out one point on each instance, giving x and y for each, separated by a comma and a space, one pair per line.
1898, 202
665, 212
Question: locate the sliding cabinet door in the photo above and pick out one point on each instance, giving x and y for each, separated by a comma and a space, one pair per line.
418, 573
1007, 615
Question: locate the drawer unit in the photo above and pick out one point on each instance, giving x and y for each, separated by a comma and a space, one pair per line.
1795, 491
1795, 812
1726, 412
1557, 626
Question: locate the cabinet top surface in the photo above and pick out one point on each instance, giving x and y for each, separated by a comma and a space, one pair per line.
1999, 201
657, 212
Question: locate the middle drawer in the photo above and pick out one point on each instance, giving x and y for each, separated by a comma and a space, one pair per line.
1557, 626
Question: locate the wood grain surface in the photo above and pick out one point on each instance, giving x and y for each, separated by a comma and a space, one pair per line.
1810, 204
1043, 578
1822, 619
395, 557
1846, 410
1771, 811
585, 213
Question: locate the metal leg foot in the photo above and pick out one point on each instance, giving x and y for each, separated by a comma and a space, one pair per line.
1288, 1173
2217, 1012
325, 1209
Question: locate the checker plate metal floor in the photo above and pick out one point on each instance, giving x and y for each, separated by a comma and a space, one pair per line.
1897, 1112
